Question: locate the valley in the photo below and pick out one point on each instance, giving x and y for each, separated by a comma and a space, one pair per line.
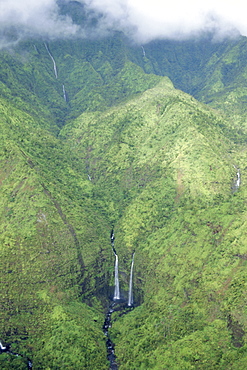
149, 140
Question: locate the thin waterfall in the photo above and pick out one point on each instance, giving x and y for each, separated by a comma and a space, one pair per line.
53, 60
116, 290
64, 94
238, 179
112, 238
237, 182
131, 300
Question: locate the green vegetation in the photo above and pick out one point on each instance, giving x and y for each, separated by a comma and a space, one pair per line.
129, 150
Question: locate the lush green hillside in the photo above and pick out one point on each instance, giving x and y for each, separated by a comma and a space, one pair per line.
93, 137
53, 249
168, 172
87, 76
212, 70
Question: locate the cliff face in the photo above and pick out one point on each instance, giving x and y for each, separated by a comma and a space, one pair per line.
92, 136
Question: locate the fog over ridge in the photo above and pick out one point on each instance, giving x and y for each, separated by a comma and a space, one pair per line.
142, 21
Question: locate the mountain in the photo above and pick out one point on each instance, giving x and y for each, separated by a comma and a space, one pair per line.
102, 134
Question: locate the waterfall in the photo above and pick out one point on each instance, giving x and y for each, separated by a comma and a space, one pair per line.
238, 179
130, 300
64, 94
143, 51
237, 182
116, 290
54, 63
2, 348
112, 238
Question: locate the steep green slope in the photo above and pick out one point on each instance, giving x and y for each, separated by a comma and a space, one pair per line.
95, 74
54, 250
127, 147
213, 71
165, 172
59, 80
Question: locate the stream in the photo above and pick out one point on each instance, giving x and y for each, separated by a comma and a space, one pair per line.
114, 307
6, 349
111, 357
117, 304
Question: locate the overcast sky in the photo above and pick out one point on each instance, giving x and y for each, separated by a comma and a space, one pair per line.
143, 20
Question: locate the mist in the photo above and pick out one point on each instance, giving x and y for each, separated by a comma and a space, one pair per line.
142, 21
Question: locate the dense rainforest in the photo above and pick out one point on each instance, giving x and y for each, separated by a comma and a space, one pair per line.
149, 140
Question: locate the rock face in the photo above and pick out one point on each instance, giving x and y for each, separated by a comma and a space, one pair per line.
122, 146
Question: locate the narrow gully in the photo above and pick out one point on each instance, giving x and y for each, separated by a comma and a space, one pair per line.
118, 304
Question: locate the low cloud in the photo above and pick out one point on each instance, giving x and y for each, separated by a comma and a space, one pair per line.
27, 18
150, 19
141, 20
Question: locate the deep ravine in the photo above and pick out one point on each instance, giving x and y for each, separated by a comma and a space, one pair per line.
117, 304
111, 357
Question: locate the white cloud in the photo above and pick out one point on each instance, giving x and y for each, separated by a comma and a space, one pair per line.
35, 18
142, 19
174, 19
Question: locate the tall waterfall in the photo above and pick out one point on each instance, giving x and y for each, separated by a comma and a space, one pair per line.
131, 300
237, 180
64, 94
53, 60
116, 290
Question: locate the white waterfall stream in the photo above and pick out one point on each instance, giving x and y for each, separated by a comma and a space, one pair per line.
6, 349
119, 305
116, 289
237, 180
130, 299
64, 94
2, 348
53, 60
